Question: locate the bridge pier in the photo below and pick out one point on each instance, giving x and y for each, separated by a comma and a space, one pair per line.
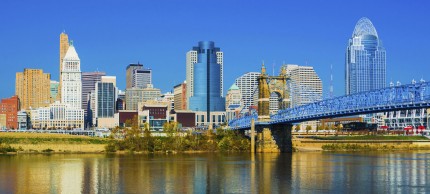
274, 138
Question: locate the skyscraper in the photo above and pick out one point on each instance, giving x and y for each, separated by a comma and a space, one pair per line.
306, 85
248, 87
105, 99
71, 89
179, 92
105, 95
141, 78
89, 80
192, 59
33, 88
207, 79
365, 65
64, 46
129, 74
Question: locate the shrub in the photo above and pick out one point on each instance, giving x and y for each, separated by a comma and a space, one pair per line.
49, 150
7, 148
110, 147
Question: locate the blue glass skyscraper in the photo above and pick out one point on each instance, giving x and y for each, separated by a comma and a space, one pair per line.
207, 81
365, 59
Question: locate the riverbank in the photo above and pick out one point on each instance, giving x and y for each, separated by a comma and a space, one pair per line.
60, 143
360, 143
50, 143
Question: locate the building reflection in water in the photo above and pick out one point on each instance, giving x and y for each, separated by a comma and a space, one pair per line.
373, 172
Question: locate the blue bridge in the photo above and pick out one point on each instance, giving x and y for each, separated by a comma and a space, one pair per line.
411, 96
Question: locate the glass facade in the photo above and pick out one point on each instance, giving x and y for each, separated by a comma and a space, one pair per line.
207, 72
365, 59
105, 100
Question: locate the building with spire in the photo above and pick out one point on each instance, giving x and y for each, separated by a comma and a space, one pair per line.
71, 90
365, 65
68, 113
64, 46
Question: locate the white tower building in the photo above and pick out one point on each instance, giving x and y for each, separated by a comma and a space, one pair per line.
71, 90
306, 86
248, 87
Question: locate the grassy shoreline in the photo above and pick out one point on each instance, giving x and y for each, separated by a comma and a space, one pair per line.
50, 143
33, 143
361, 143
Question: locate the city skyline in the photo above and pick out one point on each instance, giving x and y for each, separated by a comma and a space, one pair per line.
271, 36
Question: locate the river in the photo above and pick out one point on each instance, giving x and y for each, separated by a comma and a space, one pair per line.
302, 172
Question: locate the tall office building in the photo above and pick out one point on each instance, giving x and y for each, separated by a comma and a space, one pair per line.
33, 88
132, 98
64, 46
71, 89
248, 87
129, 74
141, 78
105, 94
207, 75
180, 96
89, 80
365, 65
305, 87
192, 59
105, 99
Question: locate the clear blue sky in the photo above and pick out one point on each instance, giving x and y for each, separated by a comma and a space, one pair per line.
108, 35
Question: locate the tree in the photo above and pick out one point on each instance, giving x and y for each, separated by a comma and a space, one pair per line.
171, 129
319, 128
147, 137
133, 135
297, 128
326, 127
308, 128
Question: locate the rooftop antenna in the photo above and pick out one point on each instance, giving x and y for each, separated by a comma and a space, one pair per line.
273, 68
331, 81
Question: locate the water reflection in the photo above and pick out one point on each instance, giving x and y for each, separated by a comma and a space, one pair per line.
373, 172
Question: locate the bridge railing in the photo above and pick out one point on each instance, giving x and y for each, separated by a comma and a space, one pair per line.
391, 98
387, 99
242, 122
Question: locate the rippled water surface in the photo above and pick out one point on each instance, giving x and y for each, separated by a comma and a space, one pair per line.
308, 172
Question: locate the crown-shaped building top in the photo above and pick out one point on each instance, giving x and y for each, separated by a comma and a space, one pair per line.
71, 53
364, 27
71, 61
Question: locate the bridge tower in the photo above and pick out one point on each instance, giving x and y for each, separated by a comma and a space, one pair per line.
267, 85
263, 96
271, 138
